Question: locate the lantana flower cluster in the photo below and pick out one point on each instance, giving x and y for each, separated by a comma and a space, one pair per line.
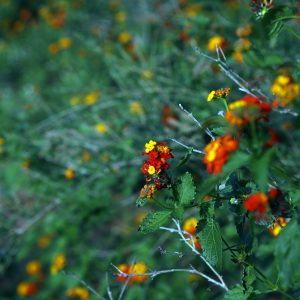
138, 269
155, 166
285, 89
246, 110
218, 151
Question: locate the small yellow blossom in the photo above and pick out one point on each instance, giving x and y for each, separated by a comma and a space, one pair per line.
26, 164
74, 100
104, 157
58, 264
64, 42
190, 225
136, 108
151, 170
147, 74
121, 16
2, 141
25, 289
124, 37
33, 267
53, 48
139, 268
211, 95
192, 10
150, 146
278, 226
78, 293
101, 128
44, 241
86, 156
214, 42
91, 98
69, 173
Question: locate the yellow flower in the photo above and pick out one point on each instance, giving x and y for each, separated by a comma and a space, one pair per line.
101, 128
104, 157
2, 141
150, 146
190, 225
86, 156
91, 98
215, 41
211, 96
278, 226
53, 48
124, 37
192, 10
139, 268
69, 173
64, 43
151, 170
78, 292
147, 74
75, 100
136, 108
26, 164
33, 267
25, 289
58, 264
44, 241
121, 16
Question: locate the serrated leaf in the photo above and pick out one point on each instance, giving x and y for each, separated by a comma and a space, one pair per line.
236, 293
211, 241
186, 189
154, 220
260, 169
178, 213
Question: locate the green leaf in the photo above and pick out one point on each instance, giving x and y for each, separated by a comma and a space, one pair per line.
211, 241
178, 213
286, 252
236, 161
237, 293
260, 169
248, 280
154, 220
186, 189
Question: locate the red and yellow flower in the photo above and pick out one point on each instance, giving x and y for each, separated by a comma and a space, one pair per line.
25, 289
217, 153
257, 202
138, 268
246, 110
190, 226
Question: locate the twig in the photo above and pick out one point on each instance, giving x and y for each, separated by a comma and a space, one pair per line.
191, 245
126, 283
37, 217
185, 146
110, 296
190, 115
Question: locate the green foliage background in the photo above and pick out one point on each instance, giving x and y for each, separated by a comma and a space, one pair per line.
91, 218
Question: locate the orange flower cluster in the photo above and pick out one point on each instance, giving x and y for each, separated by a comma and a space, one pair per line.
190, 226
285, 89
278, 226
138, 269
26, 289
247, 109
217, 153
257, 202
155, 166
